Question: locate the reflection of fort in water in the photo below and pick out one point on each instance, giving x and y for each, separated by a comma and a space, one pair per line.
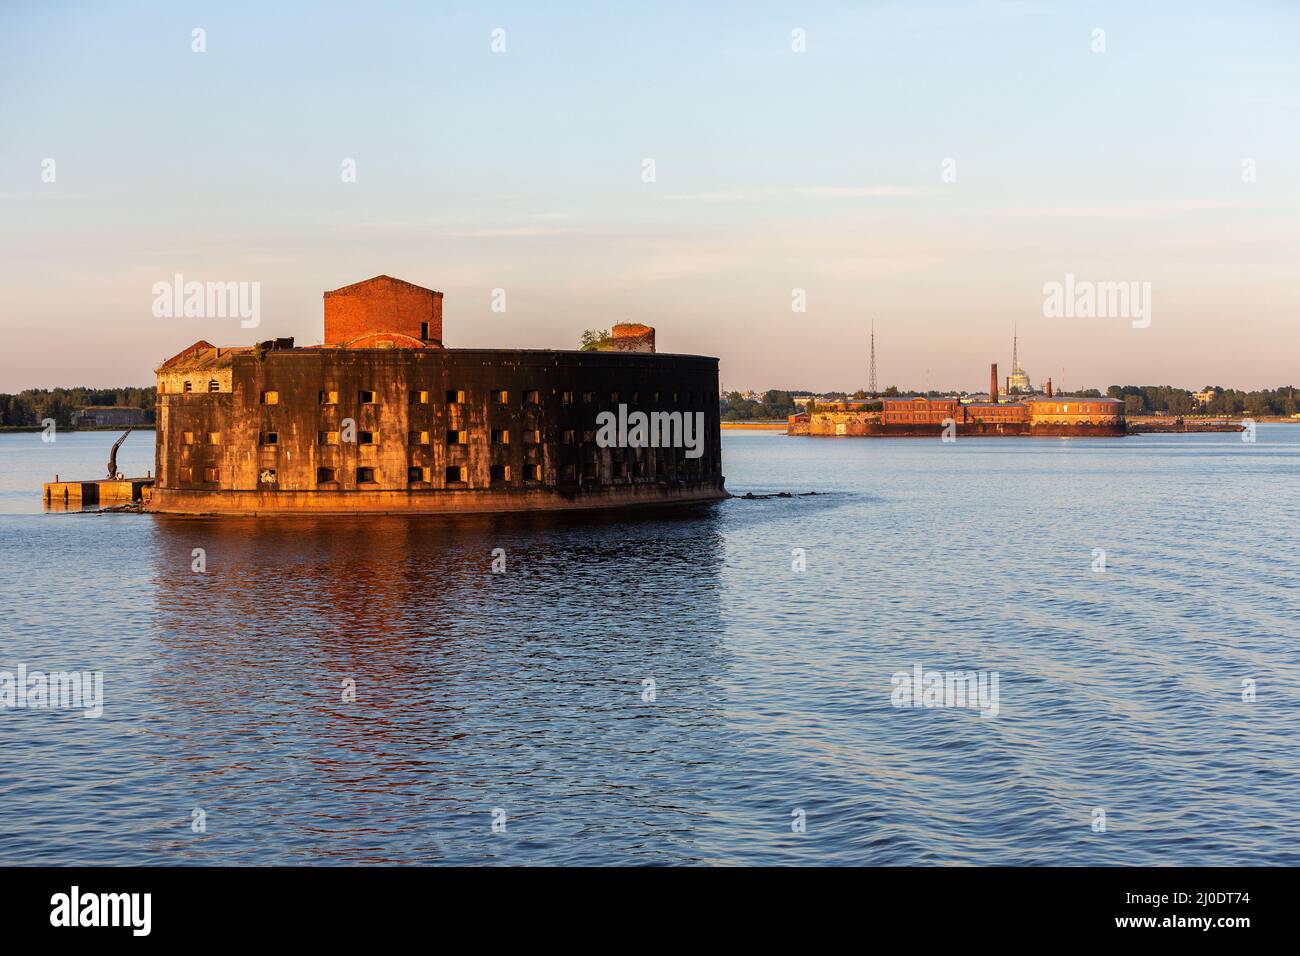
463, 677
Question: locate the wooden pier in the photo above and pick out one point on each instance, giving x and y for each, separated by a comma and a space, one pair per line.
96, 492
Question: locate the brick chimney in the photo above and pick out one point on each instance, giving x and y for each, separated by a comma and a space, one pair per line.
993, 383
1049, 388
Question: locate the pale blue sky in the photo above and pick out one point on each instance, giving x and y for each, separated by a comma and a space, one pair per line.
775, 170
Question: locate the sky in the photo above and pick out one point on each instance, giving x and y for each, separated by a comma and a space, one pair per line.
929, 166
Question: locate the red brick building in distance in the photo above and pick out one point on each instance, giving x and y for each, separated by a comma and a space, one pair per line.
1062, 410
1056, 416
995, 412
919, 410
923, 415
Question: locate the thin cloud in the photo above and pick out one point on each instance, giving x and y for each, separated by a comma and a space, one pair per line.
1123, 210
441, 230
517, 232
767, 193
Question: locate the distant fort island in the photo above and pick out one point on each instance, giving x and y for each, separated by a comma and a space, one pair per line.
384, 418
1031, 414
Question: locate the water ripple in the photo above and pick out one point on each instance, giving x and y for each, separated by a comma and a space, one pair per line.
1120, 691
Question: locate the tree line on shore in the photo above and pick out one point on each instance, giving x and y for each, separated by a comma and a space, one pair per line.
1154, 399
772, 404
33, 405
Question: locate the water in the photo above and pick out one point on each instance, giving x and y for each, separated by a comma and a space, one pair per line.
523, 691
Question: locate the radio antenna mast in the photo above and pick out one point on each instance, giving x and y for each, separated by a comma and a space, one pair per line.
871, 377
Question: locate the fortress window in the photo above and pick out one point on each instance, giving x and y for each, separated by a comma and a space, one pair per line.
267, 476
532, 472
270, 398
417, 438
455, 437
211, 474
214, 438
588, 397
676, 397
455, 474
613, 397
501, 397
500, 436
329, 398
567, 472
366, 438
424, 331
533, 437
187, 473
636, 397
566, 437
416, 475
214, 385
162, 387
189, 386
620, 469
366, 397
329, 438
532, 397
500, 472
661, 466
326, 475
638, 469
566, 398
657, 397
366, 476
270, 438
419, 398
187, 438
456, 397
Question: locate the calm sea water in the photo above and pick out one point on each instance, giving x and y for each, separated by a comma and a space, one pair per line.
524, 691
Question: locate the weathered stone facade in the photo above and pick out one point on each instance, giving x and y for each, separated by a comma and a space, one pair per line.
419, 429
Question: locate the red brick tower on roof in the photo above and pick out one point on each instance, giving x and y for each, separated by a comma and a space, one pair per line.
383, 311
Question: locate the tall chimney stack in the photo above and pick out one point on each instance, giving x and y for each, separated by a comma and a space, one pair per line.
993, 383
1049, 388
